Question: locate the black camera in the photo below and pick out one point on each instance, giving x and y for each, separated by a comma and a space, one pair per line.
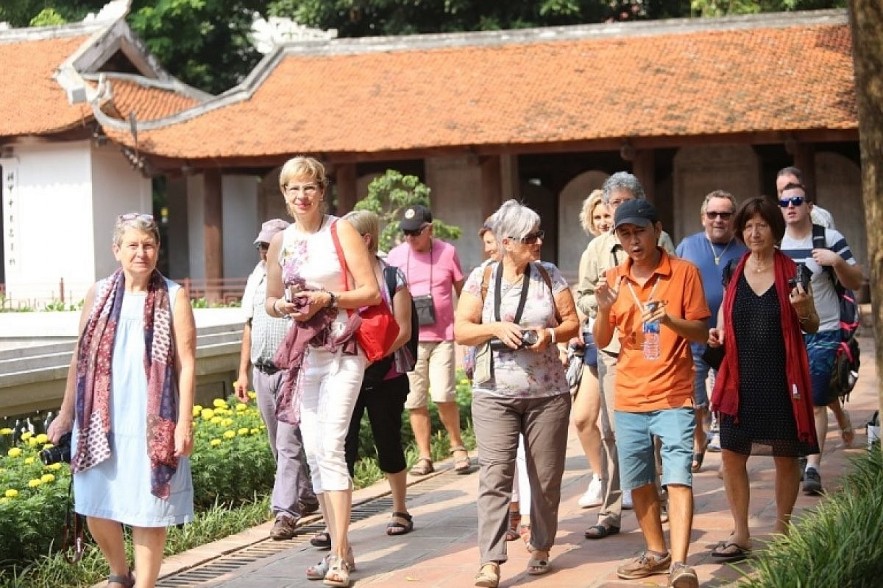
528, 338
802, 276
59, 453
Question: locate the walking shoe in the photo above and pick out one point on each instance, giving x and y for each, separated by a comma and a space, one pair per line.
801, 465
682, 576
714, 442
627, 503
644, 565
284, 528
307, 508
812, 484
594, 495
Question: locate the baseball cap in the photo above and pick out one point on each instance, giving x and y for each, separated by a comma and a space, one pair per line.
270, 228
415, 217
635, 212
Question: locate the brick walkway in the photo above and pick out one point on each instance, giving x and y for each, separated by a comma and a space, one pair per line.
442, 552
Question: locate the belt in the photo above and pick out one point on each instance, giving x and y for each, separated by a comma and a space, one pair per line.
266, 368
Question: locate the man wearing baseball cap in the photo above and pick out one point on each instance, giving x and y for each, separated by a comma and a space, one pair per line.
292, 491
657, 305
432, 268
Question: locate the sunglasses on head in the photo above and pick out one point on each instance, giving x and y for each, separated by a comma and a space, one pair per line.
531, 238
130, 216
793, 201
415, 232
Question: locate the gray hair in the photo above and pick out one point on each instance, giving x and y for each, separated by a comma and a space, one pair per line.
513, 219
717, 194
622, 181
135, 220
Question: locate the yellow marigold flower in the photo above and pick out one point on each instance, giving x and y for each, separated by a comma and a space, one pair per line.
14, 452
5, 431
54, 466
229, 434
42, 438
243, 431
254, 430
11, 493
26, 435
46, 478
35, 482
32, 441
218, 403
29, 460
48, 446
222, 410
197, 410
3, 500
252, 394
207, 414
241, 407
216, 420
226, 422
215, 442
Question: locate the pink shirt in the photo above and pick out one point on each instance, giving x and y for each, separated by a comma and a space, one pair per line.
442, 262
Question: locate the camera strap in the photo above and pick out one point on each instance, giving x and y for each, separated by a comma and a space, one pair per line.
73, 543
498, 296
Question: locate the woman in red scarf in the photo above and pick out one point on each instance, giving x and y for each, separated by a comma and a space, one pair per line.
762, 390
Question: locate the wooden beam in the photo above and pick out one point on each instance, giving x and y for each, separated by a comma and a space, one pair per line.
345, 178
213, 232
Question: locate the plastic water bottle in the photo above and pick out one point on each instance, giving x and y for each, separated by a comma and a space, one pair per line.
651, 340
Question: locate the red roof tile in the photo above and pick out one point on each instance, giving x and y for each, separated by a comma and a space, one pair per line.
352, 96
148, 101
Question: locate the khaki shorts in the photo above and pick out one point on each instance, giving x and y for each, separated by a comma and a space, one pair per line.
435, 373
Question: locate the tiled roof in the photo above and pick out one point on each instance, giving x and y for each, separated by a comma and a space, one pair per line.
672, 80
31, 101
149, 101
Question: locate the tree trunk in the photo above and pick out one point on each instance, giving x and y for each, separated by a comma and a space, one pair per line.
866, 23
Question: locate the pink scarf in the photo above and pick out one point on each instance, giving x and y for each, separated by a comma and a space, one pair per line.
725, 397
94, 361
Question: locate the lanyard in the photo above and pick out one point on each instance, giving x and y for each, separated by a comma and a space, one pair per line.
525, 283
649, 298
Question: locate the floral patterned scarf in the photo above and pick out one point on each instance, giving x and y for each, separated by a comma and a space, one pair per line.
94, 361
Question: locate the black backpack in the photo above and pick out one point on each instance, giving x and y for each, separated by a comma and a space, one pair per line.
847, 361
377, 371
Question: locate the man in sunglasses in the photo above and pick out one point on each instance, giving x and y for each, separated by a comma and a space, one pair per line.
710, 250
821, 347
793, 175
262, 334
433, 271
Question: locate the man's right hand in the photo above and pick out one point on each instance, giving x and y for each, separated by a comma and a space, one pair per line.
240, 386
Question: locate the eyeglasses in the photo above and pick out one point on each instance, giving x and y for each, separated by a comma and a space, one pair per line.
712, 214
794, 201
415, 232
308, 190
130, 216
531, 238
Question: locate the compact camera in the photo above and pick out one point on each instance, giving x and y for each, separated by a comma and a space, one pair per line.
802, 275
59, 453
528, 338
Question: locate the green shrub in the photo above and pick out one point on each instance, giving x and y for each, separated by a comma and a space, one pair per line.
839, 543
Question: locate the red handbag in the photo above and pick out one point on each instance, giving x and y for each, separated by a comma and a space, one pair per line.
378, 329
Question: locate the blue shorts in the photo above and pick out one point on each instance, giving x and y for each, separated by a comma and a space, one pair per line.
634, 444
821, 348
702, 369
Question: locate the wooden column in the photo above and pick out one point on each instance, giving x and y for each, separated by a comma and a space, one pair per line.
345, 178
805, 160
213, 219
491, 185
644, 167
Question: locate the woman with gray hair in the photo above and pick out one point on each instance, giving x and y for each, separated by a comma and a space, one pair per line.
515, 310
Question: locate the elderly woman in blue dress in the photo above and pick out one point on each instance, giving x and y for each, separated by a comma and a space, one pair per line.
129, 401
516, 310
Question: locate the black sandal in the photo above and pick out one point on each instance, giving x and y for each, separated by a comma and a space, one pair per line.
600, 531
128, 581
321, 540
396, 528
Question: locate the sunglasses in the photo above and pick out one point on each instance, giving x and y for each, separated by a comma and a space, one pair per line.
130, 216
415, 232
262, 246
711, 215
794, 201
531, 238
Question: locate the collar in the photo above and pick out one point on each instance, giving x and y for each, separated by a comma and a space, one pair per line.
663, 268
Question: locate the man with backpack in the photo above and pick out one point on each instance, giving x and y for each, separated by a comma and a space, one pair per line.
826, 256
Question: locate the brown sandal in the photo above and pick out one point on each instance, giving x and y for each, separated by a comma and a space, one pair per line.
462, 464
422, 467
514, 521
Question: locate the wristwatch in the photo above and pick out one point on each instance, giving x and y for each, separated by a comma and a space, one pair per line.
332, 299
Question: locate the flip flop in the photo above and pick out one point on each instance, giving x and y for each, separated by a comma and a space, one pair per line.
727, 551
698, 458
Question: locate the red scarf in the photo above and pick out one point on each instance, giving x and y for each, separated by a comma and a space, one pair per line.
725, 398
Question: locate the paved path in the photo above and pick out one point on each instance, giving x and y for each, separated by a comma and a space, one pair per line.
442, 552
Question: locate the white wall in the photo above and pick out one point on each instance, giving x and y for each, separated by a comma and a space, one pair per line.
240, 224
456, 200
196, 222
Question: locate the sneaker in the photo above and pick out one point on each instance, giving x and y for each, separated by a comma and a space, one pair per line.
682, 576
714, 442
594, 495
801, 465
284, 528
644, 565
812, 484
627, 503
307, 508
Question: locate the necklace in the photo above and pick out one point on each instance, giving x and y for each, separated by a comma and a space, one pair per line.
758, 268
717, 257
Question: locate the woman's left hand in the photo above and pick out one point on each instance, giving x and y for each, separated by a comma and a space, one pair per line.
544, 339
801, 300
183, 439
307, 303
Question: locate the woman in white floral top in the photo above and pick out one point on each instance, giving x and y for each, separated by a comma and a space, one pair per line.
526, 392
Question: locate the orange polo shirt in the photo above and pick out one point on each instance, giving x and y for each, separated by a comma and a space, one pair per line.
644, 385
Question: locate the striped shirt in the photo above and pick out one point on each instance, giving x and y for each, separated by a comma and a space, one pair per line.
267, 332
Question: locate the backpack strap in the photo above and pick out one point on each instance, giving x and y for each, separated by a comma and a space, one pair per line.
485, 279
820, 241
389, 275
548, 279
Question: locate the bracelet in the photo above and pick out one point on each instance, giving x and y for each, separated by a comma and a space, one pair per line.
275, 309
552, 335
